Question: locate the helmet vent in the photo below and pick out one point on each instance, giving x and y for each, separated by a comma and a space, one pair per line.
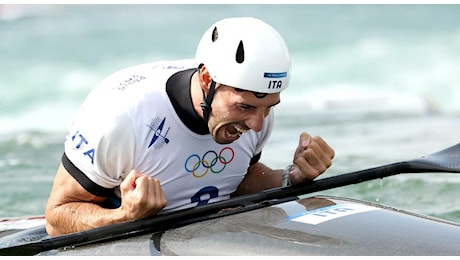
240, 53
214, 35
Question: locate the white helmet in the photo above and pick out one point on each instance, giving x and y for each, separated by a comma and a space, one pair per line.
245, 53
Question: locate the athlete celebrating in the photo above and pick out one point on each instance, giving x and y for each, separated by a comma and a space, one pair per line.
170, 135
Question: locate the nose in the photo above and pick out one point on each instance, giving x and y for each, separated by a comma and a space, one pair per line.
256, 120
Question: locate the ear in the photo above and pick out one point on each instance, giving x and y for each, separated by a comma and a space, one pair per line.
205, 79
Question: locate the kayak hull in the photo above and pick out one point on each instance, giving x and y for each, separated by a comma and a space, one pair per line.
320, 225
317, 226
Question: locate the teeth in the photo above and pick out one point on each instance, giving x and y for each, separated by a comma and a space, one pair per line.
234, 135
240, 131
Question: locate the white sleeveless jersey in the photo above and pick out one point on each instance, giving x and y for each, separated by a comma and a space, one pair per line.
128, 122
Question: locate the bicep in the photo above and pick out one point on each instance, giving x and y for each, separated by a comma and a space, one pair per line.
64, 212
66, 190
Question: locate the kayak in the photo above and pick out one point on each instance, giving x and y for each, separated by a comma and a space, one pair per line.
319, 225
279, 221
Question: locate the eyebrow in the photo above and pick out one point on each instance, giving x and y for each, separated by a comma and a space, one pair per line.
246, 104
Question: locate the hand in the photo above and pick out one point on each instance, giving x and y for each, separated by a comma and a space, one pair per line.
141, 196
311, 158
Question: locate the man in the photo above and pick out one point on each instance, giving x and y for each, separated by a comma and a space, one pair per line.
169, 135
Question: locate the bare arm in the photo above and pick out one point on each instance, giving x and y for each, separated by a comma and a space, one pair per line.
71, 208
259, 177
311, 158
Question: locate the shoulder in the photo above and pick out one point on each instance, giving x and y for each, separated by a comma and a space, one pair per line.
148, 74
166, 68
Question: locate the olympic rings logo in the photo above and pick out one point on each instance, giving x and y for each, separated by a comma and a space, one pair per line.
210, 161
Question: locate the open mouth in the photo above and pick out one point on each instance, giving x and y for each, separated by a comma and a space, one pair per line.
234, 132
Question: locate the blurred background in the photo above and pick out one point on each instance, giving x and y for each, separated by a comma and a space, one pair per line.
380, 83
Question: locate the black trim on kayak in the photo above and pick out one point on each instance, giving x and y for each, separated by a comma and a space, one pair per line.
447, 160
84, 181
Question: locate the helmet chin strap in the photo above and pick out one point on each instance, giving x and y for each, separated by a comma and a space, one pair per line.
207, 100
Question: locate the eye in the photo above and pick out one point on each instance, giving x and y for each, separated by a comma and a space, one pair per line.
245, 106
